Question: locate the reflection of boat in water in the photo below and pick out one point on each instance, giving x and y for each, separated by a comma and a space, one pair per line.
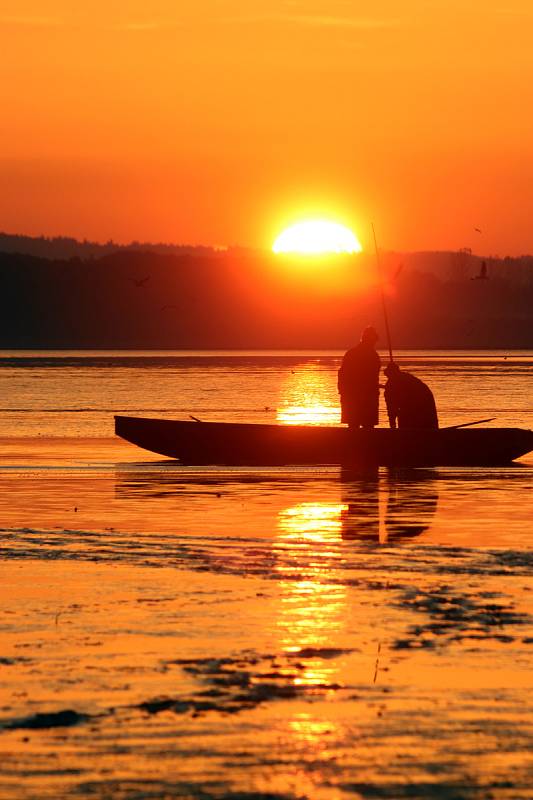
226, 443
400, 506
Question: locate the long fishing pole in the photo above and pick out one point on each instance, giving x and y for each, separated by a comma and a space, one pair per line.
382, 292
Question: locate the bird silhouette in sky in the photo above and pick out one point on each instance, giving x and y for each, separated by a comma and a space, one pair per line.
139, 281
478, 230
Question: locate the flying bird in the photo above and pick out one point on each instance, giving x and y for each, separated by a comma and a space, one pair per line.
478, 230
139, 281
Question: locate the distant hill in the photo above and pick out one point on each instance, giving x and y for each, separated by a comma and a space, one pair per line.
201, 298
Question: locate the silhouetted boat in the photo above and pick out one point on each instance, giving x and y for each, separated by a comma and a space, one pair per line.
229, 443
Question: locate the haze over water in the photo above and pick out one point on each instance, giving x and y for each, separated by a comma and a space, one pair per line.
269, 633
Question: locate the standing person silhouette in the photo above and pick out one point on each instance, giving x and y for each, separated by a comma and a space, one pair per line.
358, 383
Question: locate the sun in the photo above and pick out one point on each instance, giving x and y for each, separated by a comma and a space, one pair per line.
316, 237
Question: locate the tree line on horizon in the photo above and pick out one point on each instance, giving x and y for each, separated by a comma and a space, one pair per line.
452, 264
242, 299
65, 247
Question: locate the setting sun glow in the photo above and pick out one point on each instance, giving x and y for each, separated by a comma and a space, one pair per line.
316, 237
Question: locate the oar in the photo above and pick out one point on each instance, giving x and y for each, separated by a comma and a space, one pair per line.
467, 424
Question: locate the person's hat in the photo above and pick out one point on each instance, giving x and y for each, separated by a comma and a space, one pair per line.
369, 335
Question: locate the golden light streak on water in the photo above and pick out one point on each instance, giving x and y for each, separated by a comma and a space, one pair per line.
309, 415
308, 397
314, 521
312, 608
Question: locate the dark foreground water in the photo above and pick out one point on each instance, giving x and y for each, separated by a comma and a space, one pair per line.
246, 634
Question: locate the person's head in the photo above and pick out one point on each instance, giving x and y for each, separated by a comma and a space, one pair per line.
392, 370
369, 336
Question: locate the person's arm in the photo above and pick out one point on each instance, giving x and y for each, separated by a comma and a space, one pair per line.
340, 378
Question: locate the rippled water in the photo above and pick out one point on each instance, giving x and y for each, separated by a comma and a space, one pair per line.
267, 633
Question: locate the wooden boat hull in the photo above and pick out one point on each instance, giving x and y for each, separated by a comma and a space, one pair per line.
242, 444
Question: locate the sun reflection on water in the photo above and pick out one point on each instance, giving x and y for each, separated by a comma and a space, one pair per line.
309, 397
314, 733
312, 547
312, 608
314, 521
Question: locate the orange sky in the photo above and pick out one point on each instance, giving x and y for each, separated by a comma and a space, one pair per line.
220, 121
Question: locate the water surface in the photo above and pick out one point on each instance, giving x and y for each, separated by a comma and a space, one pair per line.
237, 633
